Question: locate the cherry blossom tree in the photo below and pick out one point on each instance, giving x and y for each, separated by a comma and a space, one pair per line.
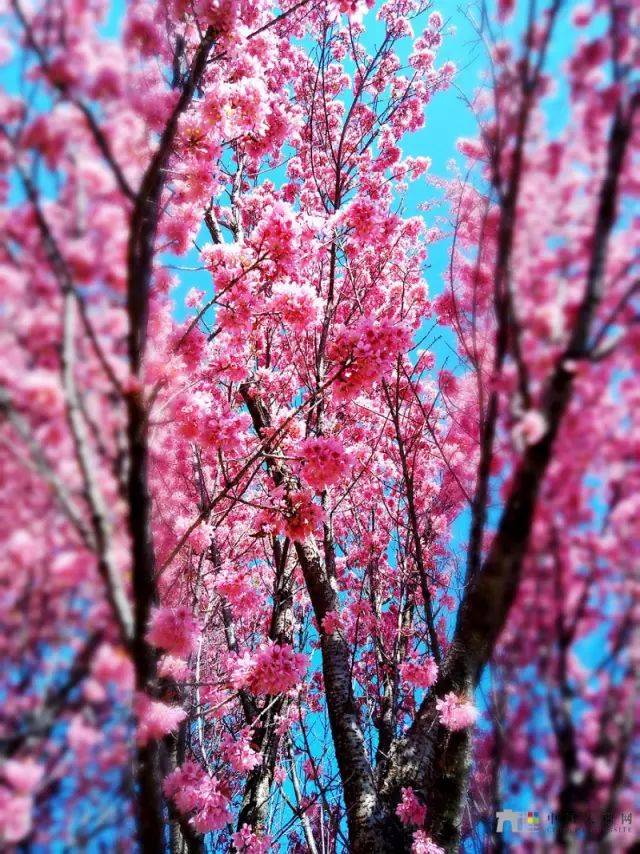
238, 614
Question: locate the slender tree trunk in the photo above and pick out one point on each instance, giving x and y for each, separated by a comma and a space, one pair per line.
371, 829
255, 801
144, 220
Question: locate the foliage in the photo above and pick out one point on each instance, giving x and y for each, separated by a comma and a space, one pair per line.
235, 612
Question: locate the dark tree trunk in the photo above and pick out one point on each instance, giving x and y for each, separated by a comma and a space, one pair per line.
150, 807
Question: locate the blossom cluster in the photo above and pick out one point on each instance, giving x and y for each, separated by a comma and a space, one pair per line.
301, 517
199, 795
456, 712
423, 844
238, 751
272, 669
325, 461
155, 718
173, 629
364, 352
421, 674
411, 810
19, 782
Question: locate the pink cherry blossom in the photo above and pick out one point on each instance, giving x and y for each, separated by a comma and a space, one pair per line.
156, 719
239, 753
15, 817
529, 429
325, 461
421, 674
172, 667
24, 776
83, 738
455, 712
113, 665
331, 622
193, 298
423, 844
212, 812
247, 842
411, 810
174, 630
303, 518
273, 669
297, 304
195, 792
184, 785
